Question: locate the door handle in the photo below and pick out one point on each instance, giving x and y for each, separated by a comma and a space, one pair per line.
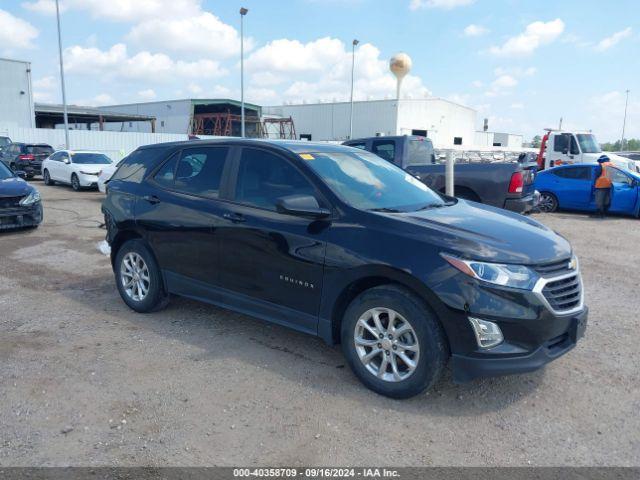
152, 199
234, 217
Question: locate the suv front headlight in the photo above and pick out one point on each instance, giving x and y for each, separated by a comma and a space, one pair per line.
515, 276
32, 198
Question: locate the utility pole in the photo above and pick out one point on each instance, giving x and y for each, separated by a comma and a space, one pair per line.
64, 93
353, 67
243, 12
624, 121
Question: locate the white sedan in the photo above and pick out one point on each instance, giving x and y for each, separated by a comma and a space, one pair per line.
80, 169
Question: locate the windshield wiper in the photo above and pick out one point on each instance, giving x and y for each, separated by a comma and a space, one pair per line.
429, 206
385, 209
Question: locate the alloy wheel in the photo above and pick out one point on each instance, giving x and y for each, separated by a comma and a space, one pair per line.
134, 275
547, 203
387, 344
75, 183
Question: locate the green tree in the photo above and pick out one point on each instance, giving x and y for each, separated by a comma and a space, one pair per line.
536, 141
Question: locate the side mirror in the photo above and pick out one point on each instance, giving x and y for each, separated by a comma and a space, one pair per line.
20, 173
565, 151
301, 206
66, 160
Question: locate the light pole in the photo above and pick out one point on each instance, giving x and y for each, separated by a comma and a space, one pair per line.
243, 12
353, 67
64, 93
624, 121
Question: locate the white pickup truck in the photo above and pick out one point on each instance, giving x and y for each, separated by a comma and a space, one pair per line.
562, 147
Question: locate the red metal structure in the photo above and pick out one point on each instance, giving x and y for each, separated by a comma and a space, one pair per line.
285, 129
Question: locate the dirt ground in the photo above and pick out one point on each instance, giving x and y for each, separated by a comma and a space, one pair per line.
86, 381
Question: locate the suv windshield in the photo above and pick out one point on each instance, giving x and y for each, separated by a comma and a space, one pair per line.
588, 143
367, 182
91, 158
420, 152
5, 172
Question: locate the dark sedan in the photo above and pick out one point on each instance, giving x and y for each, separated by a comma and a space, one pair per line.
20, 204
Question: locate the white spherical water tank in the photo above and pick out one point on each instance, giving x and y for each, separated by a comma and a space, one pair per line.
400, 65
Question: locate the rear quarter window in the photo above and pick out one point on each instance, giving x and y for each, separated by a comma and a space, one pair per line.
134, 167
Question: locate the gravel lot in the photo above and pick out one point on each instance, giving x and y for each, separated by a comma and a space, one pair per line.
86, 381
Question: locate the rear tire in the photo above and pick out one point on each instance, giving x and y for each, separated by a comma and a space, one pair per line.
548, 202
415, 336
138, 278
75, 182
47, 178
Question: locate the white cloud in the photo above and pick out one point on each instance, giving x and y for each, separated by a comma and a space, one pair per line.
505, 81
444, 4
515, 71
535, 35
321, 70
475, 30
608, 42
102, 99
44, 89
45, 83
517, 106
121, 10
45, 7
477, 84
202, 33
151, 67
15, 33
147, 94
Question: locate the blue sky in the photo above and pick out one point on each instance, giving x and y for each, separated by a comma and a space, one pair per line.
522, 64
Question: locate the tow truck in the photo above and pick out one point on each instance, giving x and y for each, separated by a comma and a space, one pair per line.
563, 147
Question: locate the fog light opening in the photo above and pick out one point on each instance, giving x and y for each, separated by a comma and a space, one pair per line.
488, 334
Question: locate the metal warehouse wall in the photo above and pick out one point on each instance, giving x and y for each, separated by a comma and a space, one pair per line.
443, 120
330, 121
171, 116
16, 100
115, 145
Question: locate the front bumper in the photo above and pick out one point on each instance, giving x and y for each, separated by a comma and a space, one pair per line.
88, 180
523, 204
20, 217
491, 363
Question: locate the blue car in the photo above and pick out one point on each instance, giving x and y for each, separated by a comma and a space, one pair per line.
572, 187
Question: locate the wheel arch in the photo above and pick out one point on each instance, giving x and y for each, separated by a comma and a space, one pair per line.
463, 189
385, 276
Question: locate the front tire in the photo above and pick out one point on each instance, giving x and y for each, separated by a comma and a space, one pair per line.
548, 202
139, 278
393, 342
75, 182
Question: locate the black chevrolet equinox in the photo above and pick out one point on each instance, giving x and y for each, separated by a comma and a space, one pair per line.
337, 242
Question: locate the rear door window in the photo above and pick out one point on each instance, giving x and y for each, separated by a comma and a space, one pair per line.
385, 149
574, 173
196, 171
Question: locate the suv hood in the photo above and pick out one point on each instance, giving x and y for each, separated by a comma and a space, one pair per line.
14, 187
476, 231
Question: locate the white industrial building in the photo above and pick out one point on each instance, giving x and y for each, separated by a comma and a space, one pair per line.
16, 98
445, 122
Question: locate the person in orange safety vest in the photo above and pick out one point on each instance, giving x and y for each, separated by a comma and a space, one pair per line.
603, 187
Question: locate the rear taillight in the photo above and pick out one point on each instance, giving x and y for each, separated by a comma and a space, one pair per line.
26, 157
516, 183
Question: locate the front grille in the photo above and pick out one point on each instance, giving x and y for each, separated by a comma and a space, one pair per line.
564, 294
553, 268
10, 202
